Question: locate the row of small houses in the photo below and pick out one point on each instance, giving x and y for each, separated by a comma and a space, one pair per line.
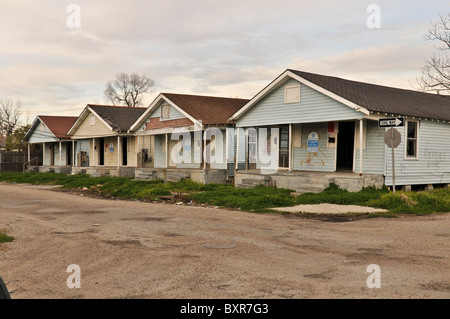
303, 131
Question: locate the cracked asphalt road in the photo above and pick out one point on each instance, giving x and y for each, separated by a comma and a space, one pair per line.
130, 249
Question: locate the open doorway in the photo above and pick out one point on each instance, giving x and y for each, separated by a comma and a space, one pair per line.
69, 155
101, 152
124, 151
345, 146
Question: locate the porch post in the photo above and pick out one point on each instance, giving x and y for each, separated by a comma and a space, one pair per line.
60, 154
360, 146
236, 156
43, 154
118, 151
204, 150
73, 153
29, 155
167, 150
93, 152
290, 147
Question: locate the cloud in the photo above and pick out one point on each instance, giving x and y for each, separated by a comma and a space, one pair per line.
221, 47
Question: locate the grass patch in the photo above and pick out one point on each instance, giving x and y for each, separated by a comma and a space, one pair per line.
257, 199
336, 195
5, 238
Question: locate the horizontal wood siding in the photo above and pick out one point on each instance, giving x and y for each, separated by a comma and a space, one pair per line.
41, 134
160, 151
373, 154
241, 148
82, 146
433, 164
132, 152
156, 114
173, 115
110, 151
86, 130
190, 160
323, 160
313, 107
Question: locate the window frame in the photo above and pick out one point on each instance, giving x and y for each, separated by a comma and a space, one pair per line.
165, 115
288, 87
416, 138
92, 120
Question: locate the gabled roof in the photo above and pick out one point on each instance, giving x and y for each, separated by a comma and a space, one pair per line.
116, 118
366, 97
119, 118
210, 110
57, 125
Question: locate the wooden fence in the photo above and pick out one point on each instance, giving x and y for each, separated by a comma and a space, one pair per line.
13, 161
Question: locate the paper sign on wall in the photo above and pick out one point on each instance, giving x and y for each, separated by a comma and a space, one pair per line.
313, 142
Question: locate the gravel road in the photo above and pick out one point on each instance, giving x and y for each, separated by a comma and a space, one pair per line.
130, 249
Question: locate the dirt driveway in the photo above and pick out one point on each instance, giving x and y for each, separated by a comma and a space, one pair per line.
130, 249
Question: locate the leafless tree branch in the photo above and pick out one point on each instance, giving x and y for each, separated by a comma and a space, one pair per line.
127, 89
436, 70
10, 112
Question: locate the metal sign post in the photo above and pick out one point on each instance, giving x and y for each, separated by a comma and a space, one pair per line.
393, 160
392, 138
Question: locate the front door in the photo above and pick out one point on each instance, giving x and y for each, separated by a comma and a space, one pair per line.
283, 160
345, 146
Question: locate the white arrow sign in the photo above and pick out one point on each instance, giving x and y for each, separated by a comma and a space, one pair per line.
398, 121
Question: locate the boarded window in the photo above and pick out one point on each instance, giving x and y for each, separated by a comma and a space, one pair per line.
292, 94
165, 112
92, 120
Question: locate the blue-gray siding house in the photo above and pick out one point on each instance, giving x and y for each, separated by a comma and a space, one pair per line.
304, 131
57, 148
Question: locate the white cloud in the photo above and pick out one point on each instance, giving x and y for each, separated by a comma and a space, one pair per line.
221, 47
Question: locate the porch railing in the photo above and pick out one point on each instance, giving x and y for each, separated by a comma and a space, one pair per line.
31, 164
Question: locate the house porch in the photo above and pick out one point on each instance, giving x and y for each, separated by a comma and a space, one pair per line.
303, 182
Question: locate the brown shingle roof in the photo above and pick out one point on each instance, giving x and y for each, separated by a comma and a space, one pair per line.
120, 118
58, 125
208, 109
383, 99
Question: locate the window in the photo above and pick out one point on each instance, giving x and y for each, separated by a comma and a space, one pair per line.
165, 112
412, 129
292, 94
92, 120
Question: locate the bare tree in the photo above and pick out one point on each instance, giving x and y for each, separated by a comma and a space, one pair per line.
436, 70
127, 89
10, 112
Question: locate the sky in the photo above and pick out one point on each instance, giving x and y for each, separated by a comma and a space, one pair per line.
56, 56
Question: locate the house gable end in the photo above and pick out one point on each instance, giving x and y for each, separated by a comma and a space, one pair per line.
86, 127
310, 106
40, 133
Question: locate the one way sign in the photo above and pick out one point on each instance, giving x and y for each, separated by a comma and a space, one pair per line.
391, 122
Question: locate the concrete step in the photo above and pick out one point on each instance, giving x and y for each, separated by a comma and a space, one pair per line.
145, 175
173, 176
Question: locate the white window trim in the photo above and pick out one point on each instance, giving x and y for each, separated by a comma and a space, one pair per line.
286, 88
411, 158
92, 120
